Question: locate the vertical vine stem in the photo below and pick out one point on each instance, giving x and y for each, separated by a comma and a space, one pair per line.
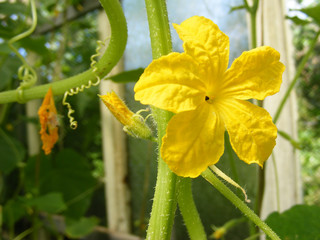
224, 190
169, 187
189, 211
296, 77
164, 202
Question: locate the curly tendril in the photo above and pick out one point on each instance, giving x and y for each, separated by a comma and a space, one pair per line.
74, 91
26, 73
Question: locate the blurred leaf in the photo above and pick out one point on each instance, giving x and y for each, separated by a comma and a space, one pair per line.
80, 228
127, 76
35, 44
13, 211
313, 12
298, 21
301, 222
232, 9
50, 203
12, 152
4, 48
69, 174
9, 67
7, 8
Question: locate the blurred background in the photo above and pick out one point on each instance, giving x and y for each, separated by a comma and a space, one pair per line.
98, 183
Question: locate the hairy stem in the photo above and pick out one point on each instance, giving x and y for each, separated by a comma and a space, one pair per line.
224, 190
189, 211
164, 203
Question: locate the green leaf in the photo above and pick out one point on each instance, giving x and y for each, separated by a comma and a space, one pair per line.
69, 174
9, 67
80, 228
301, 222
7, 8
298, 21
50, 203
35, 44
313, 12
232, 9
13, 211
12, 152
127, 76
4, 48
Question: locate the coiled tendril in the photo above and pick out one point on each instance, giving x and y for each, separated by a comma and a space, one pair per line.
25, 72
74, 91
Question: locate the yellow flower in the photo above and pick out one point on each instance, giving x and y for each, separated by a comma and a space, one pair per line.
49, 122
133, 123
209, 98
118, 108
219, 233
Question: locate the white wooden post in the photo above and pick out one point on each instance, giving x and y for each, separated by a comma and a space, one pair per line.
273, 30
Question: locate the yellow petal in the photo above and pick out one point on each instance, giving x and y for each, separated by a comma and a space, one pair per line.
194, 141
204, 41
172, 83
251, 130
118, 108
255, 74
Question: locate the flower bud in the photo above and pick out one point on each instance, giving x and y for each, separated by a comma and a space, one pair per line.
134, 124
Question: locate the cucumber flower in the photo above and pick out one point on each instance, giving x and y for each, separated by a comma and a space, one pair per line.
207, 98
133, 123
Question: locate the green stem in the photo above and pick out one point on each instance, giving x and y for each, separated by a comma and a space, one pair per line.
164, 203
189, 211
26, 33
255, 236
277, 180
260, 190
158, 27
24, 234
286, 136
109, 59
233, 223
231, 159
296, 77
252, 10
253, 16
224, 190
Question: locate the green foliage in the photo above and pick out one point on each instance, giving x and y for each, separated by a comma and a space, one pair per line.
69, 174
82, 227
301, 222
313, 12
13, 211
50, 203
12, 152
127, 76
8, 66
232, 9
309, 108
297, 20
33, 189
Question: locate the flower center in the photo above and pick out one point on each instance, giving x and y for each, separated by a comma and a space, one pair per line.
208, 99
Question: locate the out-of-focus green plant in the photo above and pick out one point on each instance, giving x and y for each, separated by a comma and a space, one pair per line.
308, 89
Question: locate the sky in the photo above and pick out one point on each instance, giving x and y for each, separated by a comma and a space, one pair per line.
138, 52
